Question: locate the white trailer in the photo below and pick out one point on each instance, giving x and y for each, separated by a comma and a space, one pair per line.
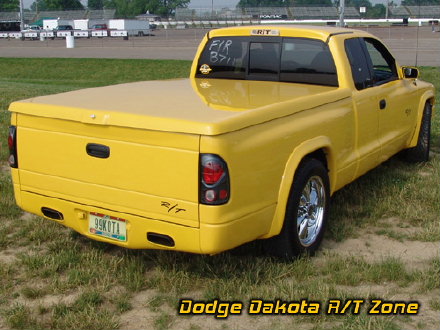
52, 24
81, 24
81, 28
132, 26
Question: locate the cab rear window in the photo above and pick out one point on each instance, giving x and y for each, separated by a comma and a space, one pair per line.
297, 60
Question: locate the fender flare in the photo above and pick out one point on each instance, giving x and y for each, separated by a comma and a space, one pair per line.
298, 154
428, 96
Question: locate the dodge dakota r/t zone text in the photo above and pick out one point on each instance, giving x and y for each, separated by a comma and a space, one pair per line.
271, 122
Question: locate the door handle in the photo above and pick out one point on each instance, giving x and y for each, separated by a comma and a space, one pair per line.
382, 104
98, 150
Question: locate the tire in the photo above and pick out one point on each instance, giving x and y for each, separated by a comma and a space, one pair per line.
306, 213
420, 153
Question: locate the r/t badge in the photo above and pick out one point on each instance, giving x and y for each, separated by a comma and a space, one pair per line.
205, 69
175, 208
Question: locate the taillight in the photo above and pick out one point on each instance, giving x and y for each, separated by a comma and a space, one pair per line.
214, 180
12, 144
212, 171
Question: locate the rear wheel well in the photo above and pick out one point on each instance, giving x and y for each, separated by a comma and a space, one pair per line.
319, 155
306, 210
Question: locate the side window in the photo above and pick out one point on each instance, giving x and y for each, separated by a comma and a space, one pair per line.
384, 65
358, 62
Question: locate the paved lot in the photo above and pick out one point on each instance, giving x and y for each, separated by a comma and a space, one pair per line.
411, 45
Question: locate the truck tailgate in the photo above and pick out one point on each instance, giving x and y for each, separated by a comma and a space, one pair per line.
149, 173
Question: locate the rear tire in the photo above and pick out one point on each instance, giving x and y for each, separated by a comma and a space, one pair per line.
306, 212
420, 153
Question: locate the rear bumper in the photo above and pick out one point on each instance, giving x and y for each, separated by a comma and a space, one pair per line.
76, 217
208, 239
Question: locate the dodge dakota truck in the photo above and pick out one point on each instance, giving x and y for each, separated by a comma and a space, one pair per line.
271, 122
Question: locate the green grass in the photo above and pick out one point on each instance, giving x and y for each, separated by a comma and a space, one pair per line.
430, 278
20, 317
163, 321
49, 261
394, 189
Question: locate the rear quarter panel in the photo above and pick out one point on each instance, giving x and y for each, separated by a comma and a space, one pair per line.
259, 159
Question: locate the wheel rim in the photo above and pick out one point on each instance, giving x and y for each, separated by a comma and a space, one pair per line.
311, 211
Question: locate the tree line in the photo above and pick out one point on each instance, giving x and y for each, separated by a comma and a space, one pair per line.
124, 8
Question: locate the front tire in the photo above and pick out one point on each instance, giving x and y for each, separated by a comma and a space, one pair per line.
306, 212
420, 153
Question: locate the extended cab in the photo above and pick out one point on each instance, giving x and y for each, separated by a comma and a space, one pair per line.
271, 122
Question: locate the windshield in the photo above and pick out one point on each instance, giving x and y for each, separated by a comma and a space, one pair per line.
299, 60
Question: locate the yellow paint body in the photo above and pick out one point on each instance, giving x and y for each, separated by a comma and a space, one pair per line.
157, 129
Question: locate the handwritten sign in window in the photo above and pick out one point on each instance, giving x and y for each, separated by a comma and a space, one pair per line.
219, 52
225, 58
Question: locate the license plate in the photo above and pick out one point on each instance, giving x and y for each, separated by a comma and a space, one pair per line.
107, 226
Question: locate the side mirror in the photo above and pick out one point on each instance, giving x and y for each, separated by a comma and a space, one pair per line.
410, 72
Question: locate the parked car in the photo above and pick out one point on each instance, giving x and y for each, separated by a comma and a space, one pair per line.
31, 31
99, 27
31, 28
64, 28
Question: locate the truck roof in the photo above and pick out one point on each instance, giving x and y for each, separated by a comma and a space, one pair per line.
285, 30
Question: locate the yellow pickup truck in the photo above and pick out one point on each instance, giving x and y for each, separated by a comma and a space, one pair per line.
270, 123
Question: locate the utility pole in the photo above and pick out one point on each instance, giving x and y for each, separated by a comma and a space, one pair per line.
386, 9
341, 13
21, 16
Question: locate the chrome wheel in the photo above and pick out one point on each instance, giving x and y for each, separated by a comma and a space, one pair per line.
311, 209
307, 211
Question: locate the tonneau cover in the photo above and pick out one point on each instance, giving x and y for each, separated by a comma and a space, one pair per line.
198, 106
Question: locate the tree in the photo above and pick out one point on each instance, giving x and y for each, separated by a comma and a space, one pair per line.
377, 11
9, 5
355, 3
64, 4
56, 5
281, 3
322, 3
39, 5
419, 2
95, 4
131, 8
263, 3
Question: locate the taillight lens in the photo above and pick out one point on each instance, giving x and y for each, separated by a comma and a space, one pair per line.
212, 171
214, 182
12, 144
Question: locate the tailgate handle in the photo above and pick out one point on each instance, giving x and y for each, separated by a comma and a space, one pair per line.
98, 150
